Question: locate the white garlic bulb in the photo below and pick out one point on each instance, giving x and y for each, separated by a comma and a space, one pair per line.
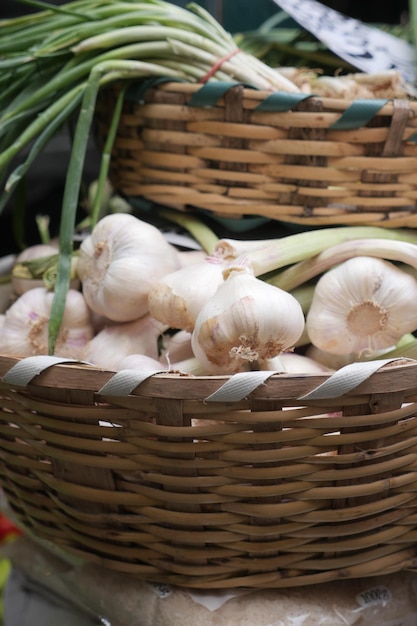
245, 321
294, 363
177, 298
363, 305
117, 341
25, 326
119, 263
138, 362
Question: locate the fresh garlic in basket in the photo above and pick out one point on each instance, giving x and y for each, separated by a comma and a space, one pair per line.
177, 298
119, 263
245, 321
25, 326
117, 341
364, 304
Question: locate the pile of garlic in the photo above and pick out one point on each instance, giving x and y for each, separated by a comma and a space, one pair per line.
136, 300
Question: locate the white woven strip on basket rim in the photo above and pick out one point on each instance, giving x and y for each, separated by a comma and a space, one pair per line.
124, 382
236, 388
120, 384
239, 386
347, 378
25, 370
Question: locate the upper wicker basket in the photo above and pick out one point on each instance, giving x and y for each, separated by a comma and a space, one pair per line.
236, 151
215, 482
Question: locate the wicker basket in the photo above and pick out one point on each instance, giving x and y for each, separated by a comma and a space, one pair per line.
214, 482
235, 152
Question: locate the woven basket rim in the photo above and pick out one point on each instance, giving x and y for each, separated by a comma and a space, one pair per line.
78, 376
258, 95
240, 152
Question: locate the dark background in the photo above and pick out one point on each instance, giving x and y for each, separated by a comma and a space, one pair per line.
46, 179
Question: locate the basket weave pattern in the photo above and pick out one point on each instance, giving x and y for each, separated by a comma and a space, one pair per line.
268, 491
235, 158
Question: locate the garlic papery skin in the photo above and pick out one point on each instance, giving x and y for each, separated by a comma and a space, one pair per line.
117, 341
245, 321
25, 328
119, 263
177, 298
362, 306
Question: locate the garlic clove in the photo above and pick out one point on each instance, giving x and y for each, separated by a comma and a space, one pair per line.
120, 262
363, 305
246, 320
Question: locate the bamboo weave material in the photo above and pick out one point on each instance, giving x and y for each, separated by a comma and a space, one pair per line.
264, 492
237, 158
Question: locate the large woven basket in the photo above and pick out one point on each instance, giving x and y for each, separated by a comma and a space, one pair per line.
214, 481
235, 151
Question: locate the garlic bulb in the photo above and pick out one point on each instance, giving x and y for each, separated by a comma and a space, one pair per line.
191, 257
294, 363
138, 362
329, 360
117, 341
177, 298
361, 306
25, 327
245, 321
119, 263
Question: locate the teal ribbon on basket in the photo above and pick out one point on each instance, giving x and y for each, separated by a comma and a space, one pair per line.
358, 114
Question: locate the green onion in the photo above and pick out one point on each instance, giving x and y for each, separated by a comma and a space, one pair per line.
57, 60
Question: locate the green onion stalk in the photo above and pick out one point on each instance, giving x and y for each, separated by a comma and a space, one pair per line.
54, 62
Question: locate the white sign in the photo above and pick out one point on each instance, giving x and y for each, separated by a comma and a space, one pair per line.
369, 49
